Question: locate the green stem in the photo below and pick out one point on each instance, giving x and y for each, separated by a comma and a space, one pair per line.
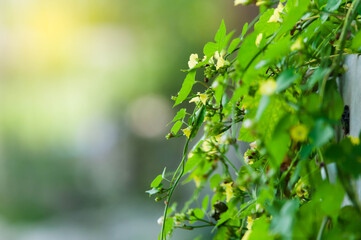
192, 227
290, 167
230, 163
177, 176
323, 226
324, 165
315, 60
245, 207
202, 84
260, 51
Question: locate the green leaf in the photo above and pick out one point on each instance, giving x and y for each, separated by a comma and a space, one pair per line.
245, 135
346, 155
263, 103
237, 94
278, 147
247, 50
205, 202
198, 213
270, 118
224, 217
330, 203
296, 10
356, 42
244, 29
186, 87
219, 89
223, 44
152, 191
316, 77
286, 79
260, 229
199, 117
221, 33
333, 103
210, 48
192, 162
321, 133
180, 115
233, 45
312, 102
176, 127
321, 3
283, 218
215, 180
333, 5
156, 181
276, 51
168, 227
263, 26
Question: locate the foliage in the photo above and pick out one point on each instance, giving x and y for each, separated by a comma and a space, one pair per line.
277, 88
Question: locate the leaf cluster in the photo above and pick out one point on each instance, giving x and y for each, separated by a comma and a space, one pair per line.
277, 89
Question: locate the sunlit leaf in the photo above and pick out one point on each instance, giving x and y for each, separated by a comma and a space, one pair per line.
156, 181
221, 33
234, 45
210, 48
286, 79
180, 115
176, 127
244, 29
186, 87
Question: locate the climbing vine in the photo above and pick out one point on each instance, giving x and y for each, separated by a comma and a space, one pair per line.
276, 87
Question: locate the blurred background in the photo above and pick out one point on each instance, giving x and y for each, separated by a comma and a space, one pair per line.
85, 89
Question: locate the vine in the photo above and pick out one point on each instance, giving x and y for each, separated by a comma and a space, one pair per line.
277, 88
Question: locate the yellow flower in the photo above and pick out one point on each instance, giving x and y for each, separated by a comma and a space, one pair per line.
253, 145
247, 234
187, 131
301, 189
279, 7
297, 45
193, 60
243, 2
276, 14
206, 146
200, 97
268, 87
299, 133
197, 180
220, 63
211, 61
218, 55
203, 98
229, 190
259, 39
249, 222
354, 140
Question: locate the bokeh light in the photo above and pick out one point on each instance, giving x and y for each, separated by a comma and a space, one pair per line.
85, 90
